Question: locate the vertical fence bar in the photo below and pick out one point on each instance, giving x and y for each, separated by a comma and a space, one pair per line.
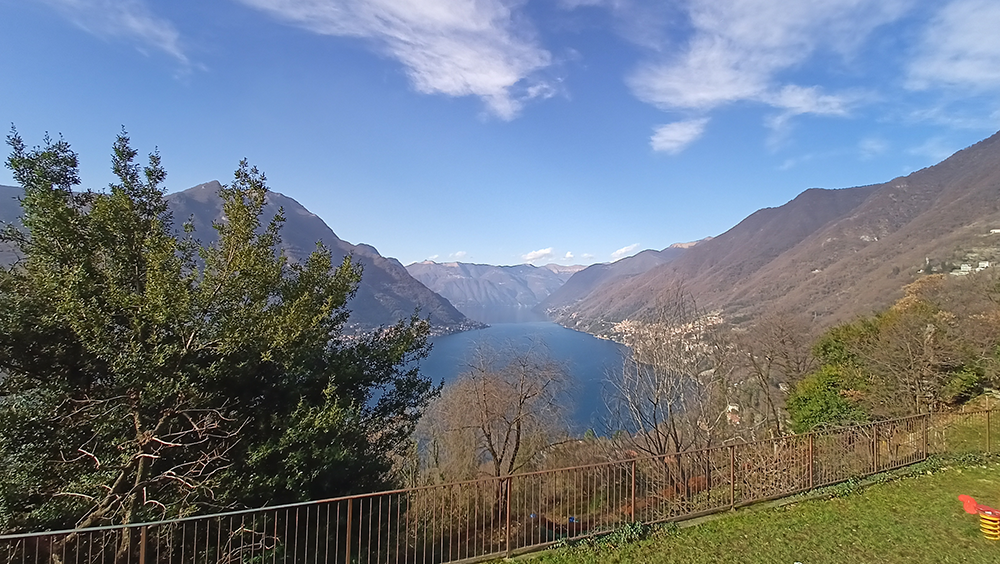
507, 531
810, 461
732, 476
874, 429
987, 431
142, 545
347, 537
507, 528
923, 432
632, 506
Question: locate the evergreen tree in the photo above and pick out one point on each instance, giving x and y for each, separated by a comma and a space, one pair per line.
144, 376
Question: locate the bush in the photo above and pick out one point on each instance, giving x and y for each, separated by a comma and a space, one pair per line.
825, 397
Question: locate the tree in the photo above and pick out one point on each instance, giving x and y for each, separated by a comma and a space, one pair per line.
935, 346
502, 412
143, 375
774, 353
675, 386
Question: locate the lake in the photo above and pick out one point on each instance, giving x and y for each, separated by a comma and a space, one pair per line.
588, 361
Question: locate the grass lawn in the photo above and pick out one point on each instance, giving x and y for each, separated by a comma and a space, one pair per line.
914, 517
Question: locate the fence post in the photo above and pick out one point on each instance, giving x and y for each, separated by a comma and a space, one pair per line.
811, 469
925, 420
347, 537
507, 533
142, 545
987, 432
632, 507
875, 464
732, 476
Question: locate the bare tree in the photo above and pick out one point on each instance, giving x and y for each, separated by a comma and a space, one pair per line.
504, 410
774, 353
674, 389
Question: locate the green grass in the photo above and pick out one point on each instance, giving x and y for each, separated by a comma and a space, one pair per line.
913, 516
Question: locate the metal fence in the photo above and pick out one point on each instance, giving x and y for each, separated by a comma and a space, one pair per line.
499, 517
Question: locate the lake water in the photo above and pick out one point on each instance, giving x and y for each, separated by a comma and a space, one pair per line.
588, 360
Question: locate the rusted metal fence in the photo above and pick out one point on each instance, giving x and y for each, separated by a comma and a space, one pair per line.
502, 516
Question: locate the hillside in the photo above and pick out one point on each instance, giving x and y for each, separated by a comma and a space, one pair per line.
584, 282
827, 254
489, 293
386, 294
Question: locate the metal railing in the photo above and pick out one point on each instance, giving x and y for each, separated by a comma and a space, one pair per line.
499, 517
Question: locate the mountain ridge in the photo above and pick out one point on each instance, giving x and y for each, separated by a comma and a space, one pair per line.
386, 294
484, 292
826, 254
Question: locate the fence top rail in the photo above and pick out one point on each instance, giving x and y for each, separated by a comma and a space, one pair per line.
480, 481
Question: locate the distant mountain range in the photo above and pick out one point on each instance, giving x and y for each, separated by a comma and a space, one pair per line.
585, 282
492, 293
386, 294
827, 254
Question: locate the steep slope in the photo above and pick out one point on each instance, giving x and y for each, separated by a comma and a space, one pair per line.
830, 254
484, 292
584, 282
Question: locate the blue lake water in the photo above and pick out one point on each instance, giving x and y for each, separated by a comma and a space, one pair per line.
588, 360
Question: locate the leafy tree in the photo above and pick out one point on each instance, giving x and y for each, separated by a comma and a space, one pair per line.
936, 346
828, 396
143, 375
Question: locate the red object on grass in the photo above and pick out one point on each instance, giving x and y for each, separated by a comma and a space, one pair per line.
974, 508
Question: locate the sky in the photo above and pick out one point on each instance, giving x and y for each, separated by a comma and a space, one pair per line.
510, 131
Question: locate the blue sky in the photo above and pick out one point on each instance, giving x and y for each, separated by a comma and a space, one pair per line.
511, 131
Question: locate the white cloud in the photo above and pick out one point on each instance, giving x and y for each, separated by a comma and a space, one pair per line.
959, 48
935, 148
568, 256
458, 255
738, 50
538, 256
453, 47
624, 251
125, 19
674, 137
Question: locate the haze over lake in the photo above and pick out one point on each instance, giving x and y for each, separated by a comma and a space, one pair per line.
587, 359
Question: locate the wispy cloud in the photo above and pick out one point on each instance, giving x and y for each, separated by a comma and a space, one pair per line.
624, 251
959, 48
872, 147
737, 51
568, 256
131, 20
935, 148
458, 255
478, 48
672, 138
538, 256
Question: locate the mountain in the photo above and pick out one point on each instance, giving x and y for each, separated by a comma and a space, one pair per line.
386, 294
827, 254
584, 282
492, 293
